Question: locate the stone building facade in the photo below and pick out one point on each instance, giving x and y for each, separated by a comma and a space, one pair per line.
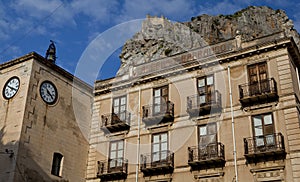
209, 102
170, 119
43, 137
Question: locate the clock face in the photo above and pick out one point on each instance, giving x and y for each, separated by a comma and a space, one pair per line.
48, 92
11, 87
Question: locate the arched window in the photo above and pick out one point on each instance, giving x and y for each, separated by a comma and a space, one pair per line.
57, 164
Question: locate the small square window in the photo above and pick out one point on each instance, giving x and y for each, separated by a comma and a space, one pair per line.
201, 83
210, 80
203, 131
157, 93
202, 99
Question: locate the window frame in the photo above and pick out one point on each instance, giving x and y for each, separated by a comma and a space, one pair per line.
263, 125
258, 73
160, 146
206, 86
207, 134
264, 139
163, 98
116, 166
205, 92
120, 111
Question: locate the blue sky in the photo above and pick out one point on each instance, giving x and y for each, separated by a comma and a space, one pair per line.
28, 25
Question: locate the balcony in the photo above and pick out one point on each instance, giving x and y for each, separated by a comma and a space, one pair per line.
158, 113
116, 122
113, 169
261, 92
157, 163
205, 157
264, 148
199, 105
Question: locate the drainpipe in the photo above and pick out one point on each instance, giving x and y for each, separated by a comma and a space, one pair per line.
232, 127
138, 139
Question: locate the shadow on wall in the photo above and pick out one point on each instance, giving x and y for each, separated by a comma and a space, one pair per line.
7, 158
14, 168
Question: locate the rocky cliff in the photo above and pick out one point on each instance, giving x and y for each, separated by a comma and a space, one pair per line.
160, 37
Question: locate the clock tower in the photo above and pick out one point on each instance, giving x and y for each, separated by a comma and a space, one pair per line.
43, 136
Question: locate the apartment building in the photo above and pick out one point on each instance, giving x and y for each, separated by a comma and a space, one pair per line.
173, 119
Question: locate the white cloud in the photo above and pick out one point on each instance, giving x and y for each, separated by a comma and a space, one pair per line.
3, 29
37, 8
15, 50
4, 23
53, 13
97, 10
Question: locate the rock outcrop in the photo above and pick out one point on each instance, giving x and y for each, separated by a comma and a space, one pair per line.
160, 37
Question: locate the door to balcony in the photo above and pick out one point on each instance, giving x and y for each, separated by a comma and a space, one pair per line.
258, 78
119, 109
161, 111
208, 153
160, 160
207, 134
260, 88
265, 143
263, 130
116, 156
205, 87
160, 98
159, 148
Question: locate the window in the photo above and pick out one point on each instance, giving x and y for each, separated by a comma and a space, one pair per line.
207, 141
257, 72
57, 164
258, 78
119, 107
160, 98
205, 87
116, 154
207, 134
159, 147
263, 130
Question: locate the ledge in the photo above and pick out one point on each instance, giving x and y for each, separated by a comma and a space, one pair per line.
267, 169
211, 175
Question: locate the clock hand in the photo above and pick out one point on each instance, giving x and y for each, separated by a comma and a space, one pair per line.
48, 92
12, 88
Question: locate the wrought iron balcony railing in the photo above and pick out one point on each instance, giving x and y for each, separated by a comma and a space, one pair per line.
260, 147
116, 122
113, 169
207, 156
260, 92
157, 163
206, 103
158, 113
